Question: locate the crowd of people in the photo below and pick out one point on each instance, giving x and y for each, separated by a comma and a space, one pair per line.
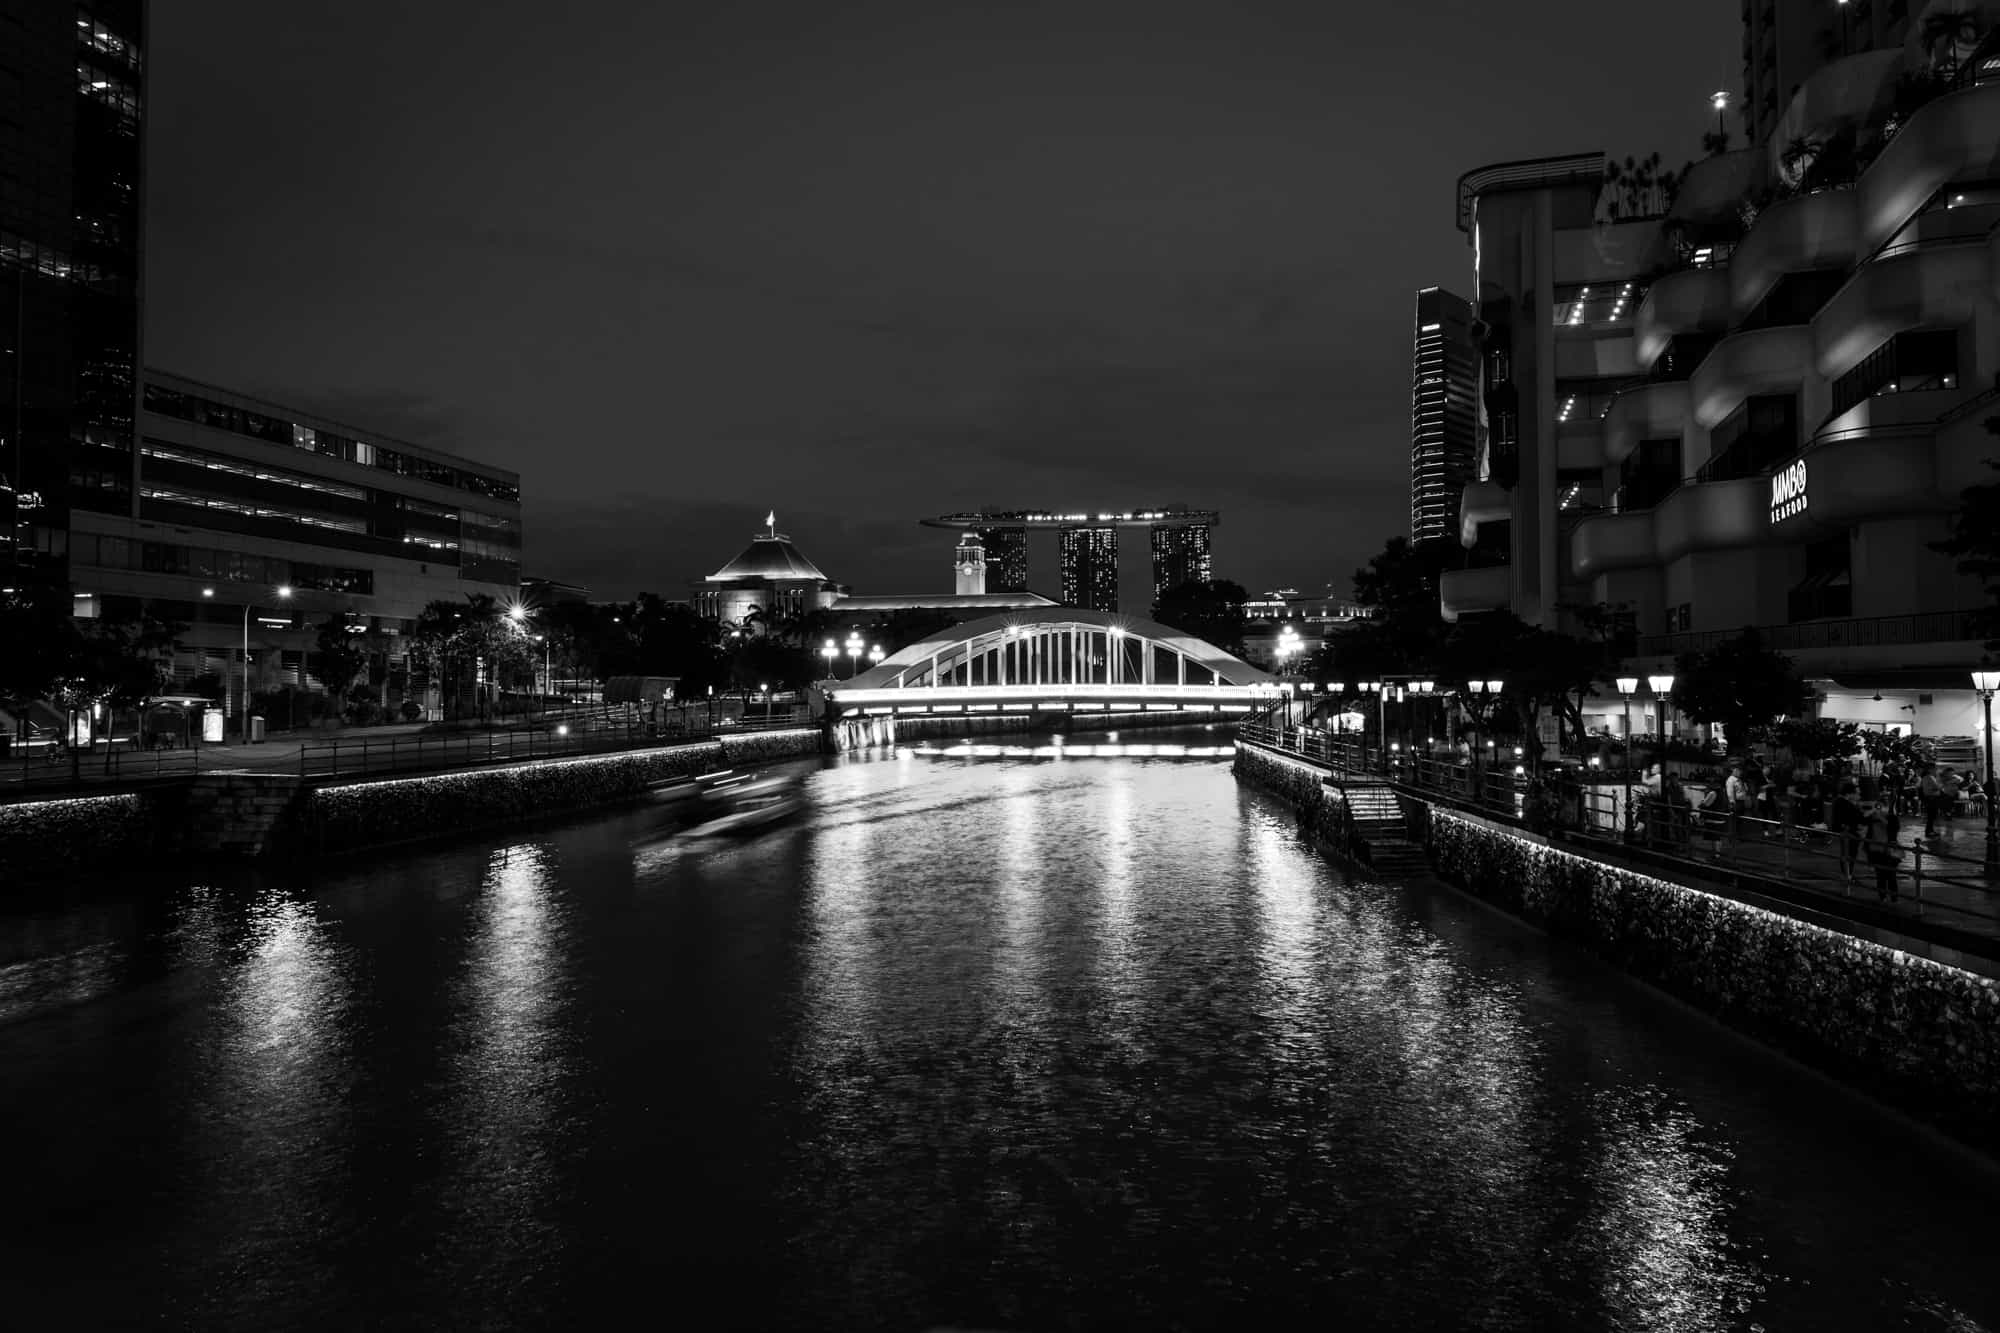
1861, 814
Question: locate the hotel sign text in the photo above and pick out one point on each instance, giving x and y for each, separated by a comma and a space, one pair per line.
1788, 492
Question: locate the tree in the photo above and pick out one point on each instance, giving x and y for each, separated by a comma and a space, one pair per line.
41, 639
1208, 609
1814, 739
1741, 685
337, 658
1542, 668
1406, 630
1975, 539
470, 642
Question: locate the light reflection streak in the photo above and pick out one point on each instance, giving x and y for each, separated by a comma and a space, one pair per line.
515, 1036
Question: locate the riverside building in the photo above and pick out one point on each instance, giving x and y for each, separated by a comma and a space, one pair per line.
1444, 383
1096, 570
245, 512
1759, 405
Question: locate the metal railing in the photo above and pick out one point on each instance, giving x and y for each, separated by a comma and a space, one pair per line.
1868, 632
437, 753
52, 769
1797, 849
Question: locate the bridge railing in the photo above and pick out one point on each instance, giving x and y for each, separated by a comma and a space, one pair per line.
430, 754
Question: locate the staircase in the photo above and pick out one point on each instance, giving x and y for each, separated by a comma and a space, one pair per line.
1378, 821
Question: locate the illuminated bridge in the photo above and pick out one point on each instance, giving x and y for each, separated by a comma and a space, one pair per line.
1057, 660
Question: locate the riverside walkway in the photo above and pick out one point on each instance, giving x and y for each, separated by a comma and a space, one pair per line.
1945, 891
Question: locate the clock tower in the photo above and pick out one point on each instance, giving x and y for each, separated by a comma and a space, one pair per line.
970, 562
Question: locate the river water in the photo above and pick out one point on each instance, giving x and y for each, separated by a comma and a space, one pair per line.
1006, 1042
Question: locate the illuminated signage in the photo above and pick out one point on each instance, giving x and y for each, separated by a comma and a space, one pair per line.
1788, 492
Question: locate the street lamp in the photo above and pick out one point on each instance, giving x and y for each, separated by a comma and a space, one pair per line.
854, 650
1719, 99
284, 593
1986, 681
875, 655
1663, 689
829, 650
1627, 684
1844, 47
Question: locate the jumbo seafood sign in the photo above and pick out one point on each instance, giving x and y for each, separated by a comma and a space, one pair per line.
1788, 492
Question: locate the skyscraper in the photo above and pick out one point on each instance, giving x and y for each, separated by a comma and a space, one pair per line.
1443, 385
1090, 568
70, 253
1180, 555
1006, 558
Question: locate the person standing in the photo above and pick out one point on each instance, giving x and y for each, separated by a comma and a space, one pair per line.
1930, 792
1847, 822
1879, 842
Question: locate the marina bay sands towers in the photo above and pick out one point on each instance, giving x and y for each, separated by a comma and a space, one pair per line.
1095, 570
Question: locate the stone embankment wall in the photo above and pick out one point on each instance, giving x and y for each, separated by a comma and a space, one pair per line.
240, 816
41, 840
1920, 1034
363, 815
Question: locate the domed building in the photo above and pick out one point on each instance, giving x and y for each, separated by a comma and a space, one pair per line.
770, 573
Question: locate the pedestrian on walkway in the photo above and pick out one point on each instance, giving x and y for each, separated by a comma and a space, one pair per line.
1879, 840
1930, 792
1847, 823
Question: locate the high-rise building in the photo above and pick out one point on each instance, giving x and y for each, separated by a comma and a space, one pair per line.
968, 564
1090, 568
1006, 558
1786, 43
1760, 405
1180, 555
1444, 386
72, 94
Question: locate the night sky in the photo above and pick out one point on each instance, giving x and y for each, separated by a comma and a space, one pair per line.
682, 263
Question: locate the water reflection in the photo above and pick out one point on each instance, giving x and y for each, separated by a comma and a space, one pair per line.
513, 1079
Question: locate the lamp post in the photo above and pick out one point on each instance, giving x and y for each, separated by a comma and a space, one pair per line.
1663, 689
1845, 49
1719, 99
1986, 681
284, 593
1626, 685
1423, 689
854, 649
875, 656
829, 650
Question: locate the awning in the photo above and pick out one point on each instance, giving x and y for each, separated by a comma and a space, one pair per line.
1922, 679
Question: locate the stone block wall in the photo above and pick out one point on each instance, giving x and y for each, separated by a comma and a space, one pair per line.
41, 840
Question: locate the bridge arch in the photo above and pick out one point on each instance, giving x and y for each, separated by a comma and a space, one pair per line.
1054, 653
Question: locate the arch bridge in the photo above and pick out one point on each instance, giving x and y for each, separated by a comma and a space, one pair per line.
1056, 660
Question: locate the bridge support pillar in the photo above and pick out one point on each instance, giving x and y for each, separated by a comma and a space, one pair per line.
841, 734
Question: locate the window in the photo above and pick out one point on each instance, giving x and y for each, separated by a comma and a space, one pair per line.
1583, 304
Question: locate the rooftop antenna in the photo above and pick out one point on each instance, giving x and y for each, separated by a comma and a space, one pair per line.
771, 522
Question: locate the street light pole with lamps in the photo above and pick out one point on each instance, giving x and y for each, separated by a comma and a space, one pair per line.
1663, 689
284, 593
1986, 681
854, 647
1626, 686
1719, 99
829, 650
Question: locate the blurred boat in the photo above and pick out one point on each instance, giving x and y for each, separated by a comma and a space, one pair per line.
747, 785
755, 813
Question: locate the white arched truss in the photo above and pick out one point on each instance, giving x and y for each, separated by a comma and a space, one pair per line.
1059, 658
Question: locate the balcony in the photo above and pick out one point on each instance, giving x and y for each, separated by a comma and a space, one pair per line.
1465, 591
1591, 354
1644, 412
1877, 473
1604, 543
1931, 284
1956, 136
1770, 360
1694, 300
1481, 502
1712, 516
1715, 186
1871, 632
1841, 94
1811, 231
